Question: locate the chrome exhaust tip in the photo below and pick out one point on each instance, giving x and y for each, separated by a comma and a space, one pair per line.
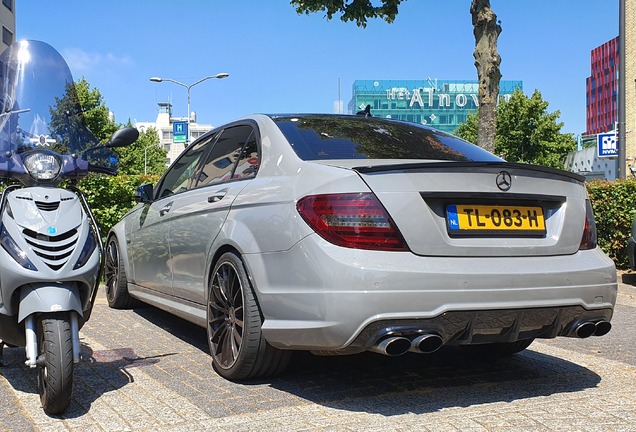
426, 344
585, 330
392, 346
602, 328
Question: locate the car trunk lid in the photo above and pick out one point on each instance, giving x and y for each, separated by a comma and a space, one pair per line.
481, 208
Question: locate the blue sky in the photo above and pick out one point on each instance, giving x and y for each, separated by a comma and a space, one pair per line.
282, 62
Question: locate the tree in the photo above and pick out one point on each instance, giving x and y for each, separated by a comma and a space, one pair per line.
486, 29
526, 131
95, 111
144, 156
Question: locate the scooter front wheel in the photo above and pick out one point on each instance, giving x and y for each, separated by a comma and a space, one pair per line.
55, 362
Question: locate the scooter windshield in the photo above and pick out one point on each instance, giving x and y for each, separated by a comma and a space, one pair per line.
40, 110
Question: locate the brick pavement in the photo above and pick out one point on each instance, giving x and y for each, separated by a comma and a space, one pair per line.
143, 370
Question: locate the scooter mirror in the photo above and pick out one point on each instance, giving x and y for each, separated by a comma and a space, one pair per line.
123, 137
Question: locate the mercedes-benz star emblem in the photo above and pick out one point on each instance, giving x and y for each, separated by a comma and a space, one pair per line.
504, 181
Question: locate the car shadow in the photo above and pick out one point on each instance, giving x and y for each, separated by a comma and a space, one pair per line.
416, 383
187, 332
412, 383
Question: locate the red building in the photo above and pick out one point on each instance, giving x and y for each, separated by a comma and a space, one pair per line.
602, 89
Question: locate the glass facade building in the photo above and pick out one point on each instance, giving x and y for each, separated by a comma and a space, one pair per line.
601, 89
443, 104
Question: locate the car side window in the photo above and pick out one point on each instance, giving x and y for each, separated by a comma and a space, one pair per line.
229, 150
181, 175
249, 159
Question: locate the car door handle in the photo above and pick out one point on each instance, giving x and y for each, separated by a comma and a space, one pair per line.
165, 209
217, 197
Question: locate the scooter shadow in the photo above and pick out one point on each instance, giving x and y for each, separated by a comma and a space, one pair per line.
97, 373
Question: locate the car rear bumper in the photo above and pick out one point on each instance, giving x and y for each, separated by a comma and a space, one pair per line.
317, 296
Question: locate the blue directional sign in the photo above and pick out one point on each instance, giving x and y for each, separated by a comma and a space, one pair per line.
607, 145
179, 132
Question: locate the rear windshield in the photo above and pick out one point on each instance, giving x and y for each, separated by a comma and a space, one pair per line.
321, 137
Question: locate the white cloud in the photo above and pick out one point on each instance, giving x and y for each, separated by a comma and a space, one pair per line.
81, 61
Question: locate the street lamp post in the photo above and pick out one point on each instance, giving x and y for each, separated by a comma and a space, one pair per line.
146, 158
188, 87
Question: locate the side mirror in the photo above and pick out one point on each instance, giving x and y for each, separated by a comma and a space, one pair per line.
143, 194
123, 137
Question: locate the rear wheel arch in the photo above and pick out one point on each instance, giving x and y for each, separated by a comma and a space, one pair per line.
234, 319
215, 259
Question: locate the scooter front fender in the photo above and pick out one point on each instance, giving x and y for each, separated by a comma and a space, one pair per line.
48, 298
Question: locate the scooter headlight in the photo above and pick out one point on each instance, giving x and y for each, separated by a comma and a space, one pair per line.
43, 166
87, 251
9, 245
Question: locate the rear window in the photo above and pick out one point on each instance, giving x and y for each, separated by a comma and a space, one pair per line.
322, 137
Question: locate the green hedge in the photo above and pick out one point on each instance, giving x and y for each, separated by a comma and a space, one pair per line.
614, 205
110, 197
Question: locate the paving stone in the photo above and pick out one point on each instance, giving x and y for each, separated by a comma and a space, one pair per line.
143, 370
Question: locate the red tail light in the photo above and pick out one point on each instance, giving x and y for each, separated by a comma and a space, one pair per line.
356, 221
588, 240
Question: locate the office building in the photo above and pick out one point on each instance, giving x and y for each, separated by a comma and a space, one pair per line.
601, 89
164, 124
602, 110
443, 104
7, 20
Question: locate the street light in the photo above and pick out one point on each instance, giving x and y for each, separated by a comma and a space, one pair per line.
188, 87
146, 158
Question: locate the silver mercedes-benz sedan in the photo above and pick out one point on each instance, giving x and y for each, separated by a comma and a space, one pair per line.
342, 234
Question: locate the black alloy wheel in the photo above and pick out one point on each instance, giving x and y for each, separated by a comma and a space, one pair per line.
239, 350
115, 277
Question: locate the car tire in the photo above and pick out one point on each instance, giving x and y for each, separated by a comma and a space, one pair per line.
115, 277
239, 350
498, 349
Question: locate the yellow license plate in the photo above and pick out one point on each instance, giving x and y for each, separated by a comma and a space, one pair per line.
464, 218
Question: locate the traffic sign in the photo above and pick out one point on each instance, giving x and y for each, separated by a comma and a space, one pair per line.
179, 132
607, 145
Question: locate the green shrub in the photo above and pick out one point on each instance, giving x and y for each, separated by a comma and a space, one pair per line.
614, 205
110, 197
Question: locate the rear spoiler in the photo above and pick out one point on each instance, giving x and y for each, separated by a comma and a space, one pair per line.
410, 166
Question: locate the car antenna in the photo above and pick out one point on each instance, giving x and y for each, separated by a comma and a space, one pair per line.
366, 112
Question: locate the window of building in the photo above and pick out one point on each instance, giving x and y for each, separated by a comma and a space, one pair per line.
8, 4
7, 36
166, 134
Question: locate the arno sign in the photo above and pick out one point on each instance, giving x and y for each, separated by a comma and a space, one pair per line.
417, 96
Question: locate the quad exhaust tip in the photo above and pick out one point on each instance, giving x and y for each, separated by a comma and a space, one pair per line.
392, 346
426, 344
602, 328
398, 345
587, 329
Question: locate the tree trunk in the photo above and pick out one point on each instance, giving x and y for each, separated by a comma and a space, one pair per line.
486, 30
